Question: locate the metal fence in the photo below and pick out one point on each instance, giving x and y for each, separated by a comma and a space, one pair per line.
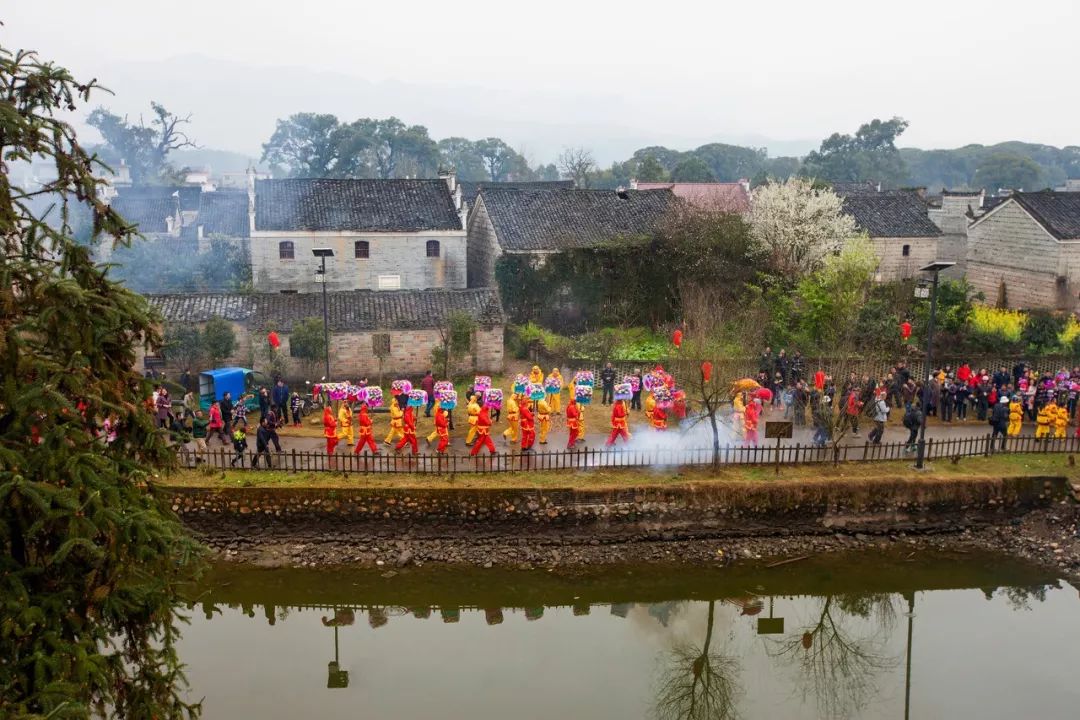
584, 459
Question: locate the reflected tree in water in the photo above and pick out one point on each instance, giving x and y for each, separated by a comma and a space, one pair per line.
697, 683
835, 665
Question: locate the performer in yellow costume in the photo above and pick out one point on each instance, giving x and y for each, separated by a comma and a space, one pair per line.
397, 423
435, 432
536, 375
1061, 422
1047, 414
554, 399
738, 420
344, 422
473, 410
650, 407
513, 419
543, 419
1016, 417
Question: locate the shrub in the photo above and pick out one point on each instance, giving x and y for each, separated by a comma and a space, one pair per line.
1005, 324
1070, 332
1041, 330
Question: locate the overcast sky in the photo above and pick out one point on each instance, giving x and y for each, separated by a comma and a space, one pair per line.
609, 75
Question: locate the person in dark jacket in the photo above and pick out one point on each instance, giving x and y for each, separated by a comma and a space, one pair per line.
781, 366
798, 367
280, 399
262, 444
766, 362
913, 418
264, 401
226, 411
296, 405
635, 399
427, 384
607, 382
800, 400
999, 420
239, 441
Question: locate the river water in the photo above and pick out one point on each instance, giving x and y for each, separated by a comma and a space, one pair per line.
842, 636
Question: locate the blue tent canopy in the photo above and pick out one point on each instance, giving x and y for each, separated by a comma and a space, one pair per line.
213, 384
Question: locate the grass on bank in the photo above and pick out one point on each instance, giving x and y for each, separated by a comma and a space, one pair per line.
614, 478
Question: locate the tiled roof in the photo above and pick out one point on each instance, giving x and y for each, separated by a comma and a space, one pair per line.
1058, 212
355, 310
891, 214
148, 213
471, 188
992, 201
187, 194
358, 205
719, 197
224, 212
856, 188
551, 220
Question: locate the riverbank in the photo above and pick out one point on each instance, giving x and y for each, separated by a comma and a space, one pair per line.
556, 520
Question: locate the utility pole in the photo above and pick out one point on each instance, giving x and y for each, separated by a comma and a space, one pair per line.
935, 267
320, 276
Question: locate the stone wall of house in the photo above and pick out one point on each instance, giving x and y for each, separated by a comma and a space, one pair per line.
895, 265
403, 255
352, 356
483, 247
1009, 245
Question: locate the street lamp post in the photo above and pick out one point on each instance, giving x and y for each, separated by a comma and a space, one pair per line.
935, 267
320, 276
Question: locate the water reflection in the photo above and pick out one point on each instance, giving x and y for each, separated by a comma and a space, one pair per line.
684, 647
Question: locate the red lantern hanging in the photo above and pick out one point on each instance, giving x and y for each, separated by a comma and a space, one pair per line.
905, 330
676, 338
706, 370
274, 340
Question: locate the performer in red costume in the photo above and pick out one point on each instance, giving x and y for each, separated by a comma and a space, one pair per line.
367, 434
753, 413
573, 422
527, 423
442, 427
618, 423
483, 433
410, 431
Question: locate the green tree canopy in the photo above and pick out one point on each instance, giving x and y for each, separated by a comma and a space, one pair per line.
145, 148
1009, 171
90, 555
869, 154
692, 169
650, 170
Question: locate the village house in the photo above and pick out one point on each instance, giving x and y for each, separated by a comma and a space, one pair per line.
471, 188
405, 323
732, 197
541, 222
1027, 248
385, 234
900, 230
952, 212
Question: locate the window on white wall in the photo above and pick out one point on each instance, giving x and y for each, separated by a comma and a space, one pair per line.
361, 249
906, 250
286, 250
433, 248
389, 282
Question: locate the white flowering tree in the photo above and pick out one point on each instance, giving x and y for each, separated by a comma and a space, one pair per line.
798, 226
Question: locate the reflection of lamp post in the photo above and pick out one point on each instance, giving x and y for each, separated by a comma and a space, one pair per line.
336, 678
320, 276
770, 625
907, 676
935, 267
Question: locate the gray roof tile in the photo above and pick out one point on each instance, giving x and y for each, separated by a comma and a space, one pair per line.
224, 212
891, 214
356, 310
1058, 212
563, 219
471, 188
324, 204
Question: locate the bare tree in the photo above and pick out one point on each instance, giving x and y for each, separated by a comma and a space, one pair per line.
698, 684
577, 164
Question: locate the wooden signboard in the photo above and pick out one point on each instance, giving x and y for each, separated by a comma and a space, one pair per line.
778, 430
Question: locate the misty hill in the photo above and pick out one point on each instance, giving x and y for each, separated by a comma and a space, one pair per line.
1008, 164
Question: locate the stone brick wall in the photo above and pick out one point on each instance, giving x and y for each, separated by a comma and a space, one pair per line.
351, 353
1009, 245
401, 254
894, 265
483, 247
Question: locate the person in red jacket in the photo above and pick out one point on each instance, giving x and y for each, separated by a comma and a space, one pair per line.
329, 425
819, 380
367, 434
573, 422
618, 423
409, 427
442, 429
527, 425
483, 433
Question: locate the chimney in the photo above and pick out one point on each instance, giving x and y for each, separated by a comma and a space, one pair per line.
633, 183
982, 197
251, 198
450, 177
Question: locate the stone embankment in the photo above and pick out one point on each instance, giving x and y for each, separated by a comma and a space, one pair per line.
1030, 516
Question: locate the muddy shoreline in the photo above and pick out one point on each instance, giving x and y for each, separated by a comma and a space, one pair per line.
1047, 536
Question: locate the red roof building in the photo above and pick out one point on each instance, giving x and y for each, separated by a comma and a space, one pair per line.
723, 197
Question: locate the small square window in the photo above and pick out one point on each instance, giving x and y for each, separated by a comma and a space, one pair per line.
286, 250
389, 282
906, 250
433, 248
361, 249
